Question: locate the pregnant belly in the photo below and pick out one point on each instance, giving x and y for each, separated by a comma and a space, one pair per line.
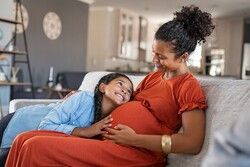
136, 116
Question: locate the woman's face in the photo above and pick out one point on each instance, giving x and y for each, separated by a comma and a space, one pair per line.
118, 91
164, 58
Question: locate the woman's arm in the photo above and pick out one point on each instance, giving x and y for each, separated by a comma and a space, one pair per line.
189, 141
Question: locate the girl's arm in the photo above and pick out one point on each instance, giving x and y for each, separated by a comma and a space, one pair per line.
61, 118
189, 141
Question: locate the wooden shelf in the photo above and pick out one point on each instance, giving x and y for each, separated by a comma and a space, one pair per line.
9, 21
12, 52
216, 64
4, 65
6, 83
15, 52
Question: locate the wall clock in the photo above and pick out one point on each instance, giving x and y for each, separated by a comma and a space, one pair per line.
25, 17
52, 25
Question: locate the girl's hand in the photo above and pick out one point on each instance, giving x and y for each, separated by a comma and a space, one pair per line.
99, 127
95, 129
121, 134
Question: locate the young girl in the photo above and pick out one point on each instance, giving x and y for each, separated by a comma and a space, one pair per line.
84, 114
145, 129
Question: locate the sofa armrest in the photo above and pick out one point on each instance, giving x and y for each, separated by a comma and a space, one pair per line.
18, 103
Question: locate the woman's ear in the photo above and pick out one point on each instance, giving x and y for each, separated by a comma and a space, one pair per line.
184, 57
102, 87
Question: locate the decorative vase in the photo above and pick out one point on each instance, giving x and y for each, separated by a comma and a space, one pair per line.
14, 71
2, 76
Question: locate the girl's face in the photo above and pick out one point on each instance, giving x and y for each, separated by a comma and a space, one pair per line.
118, 91
164, 58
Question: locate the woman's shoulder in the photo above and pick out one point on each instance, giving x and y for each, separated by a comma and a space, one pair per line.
154, 74
187, 83
190, 79
190, 94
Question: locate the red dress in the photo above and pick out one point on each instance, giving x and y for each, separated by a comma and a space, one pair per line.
156, 109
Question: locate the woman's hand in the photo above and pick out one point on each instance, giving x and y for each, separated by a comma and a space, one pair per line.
121, 134
95, 129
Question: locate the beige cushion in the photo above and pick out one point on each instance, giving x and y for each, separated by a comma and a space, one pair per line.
226, 99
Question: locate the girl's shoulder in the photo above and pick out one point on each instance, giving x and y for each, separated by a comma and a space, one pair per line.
85, 93
81, 96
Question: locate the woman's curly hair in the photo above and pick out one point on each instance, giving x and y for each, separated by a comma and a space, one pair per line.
189, 27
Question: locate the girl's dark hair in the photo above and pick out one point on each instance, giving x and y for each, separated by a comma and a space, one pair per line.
188, 27
98, 95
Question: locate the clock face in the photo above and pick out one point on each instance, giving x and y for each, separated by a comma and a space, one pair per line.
52, 25
25, 17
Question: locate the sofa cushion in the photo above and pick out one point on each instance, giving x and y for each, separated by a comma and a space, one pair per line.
70, 80
226, 100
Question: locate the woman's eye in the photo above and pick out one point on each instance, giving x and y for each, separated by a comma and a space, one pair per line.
161, 57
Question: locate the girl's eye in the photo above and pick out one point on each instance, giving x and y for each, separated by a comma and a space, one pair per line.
119, 83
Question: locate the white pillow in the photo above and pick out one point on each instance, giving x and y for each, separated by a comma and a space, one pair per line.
91, 79
136, 79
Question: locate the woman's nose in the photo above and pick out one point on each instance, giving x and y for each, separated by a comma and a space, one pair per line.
155, 59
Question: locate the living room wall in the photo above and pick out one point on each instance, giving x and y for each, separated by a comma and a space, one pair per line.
229, 33
68, 51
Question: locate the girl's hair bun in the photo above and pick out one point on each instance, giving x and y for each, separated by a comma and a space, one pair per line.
198, 24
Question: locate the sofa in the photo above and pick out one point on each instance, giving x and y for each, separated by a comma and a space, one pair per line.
226, 99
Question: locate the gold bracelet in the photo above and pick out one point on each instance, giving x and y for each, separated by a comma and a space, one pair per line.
166, 144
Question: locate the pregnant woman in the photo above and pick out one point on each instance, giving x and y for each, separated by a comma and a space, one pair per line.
145, 129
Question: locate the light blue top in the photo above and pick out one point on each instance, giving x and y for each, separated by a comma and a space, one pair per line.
76, 111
